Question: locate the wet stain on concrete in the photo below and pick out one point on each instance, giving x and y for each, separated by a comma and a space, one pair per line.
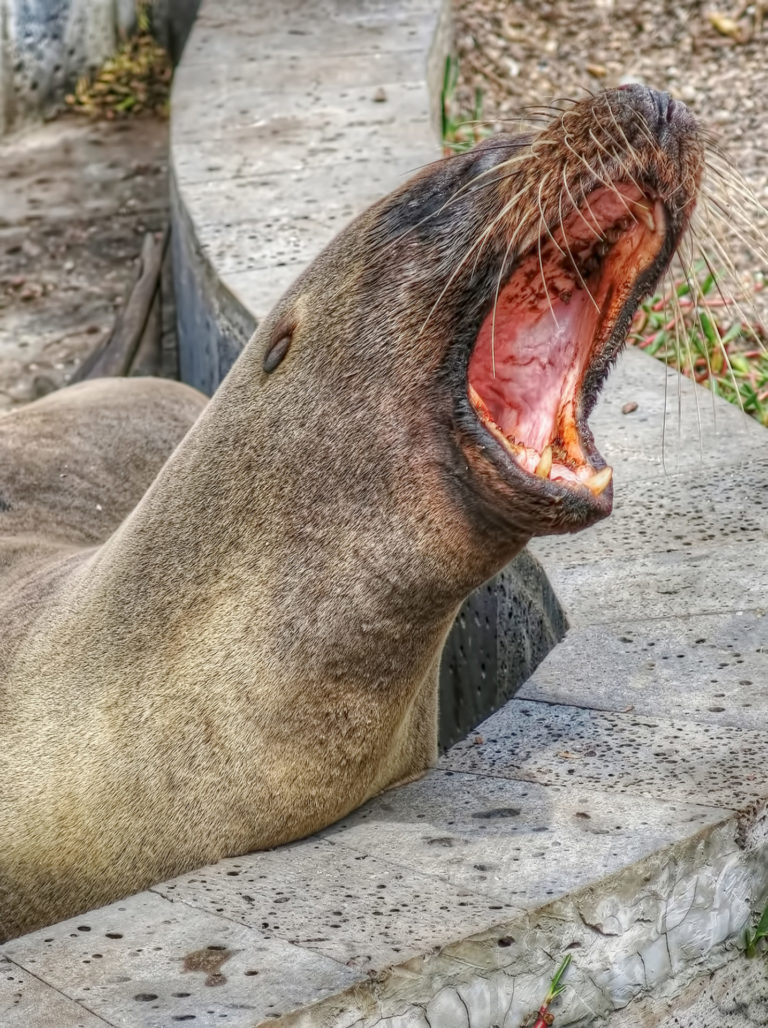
209, 961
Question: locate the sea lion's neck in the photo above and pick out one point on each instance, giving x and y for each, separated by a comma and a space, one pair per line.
266, 531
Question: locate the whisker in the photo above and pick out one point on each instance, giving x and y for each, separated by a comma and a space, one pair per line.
506, 210
577, 209
680, 328
478, 242
733, 300
621, 164
496, 304
716, 328
730, 226
574, 265
542, 221
591, 170
469, 187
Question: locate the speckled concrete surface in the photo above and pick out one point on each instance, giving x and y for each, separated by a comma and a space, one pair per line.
733, 996
146, 962
616, 811
283, 128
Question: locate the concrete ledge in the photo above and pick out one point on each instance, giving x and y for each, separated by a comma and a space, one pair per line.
284, 127
615, 809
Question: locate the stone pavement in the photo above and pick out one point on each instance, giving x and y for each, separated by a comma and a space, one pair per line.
615, 809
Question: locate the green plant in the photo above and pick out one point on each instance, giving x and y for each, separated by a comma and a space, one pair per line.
691, 326
458, 133
752, 939
544, 1018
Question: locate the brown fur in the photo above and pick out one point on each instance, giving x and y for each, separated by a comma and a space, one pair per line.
233, 648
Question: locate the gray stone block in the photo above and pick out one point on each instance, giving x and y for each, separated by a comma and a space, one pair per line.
294, 30
148, 962
620, 752
683, 514
365, 907
676, 425
708, 668
517, 841
317, 107
197, 87
662, 585
26, 1001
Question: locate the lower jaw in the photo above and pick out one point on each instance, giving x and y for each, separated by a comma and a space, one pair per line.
577, 473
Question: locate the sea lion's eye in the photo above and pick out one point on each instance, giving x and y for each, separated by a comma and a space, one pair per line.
278, 346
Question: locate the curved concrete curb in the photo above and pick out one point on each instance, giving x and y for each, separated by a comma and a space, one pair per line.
615, 809
280, 134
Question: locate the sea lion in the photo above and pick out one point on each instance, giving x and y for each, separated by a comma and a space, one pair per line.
236, 647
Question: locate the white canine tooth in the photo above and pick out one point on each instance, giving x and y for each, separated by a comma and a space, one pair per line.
599, 482
544, 466
646, 216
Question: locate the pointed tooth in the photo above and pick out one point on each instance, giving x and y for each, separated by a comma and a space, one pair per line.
646, 216
599, 482
544, 466
474, 397
517, 451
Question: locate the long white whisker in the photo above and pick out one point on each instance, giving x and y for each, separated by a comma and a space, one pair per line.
574, 265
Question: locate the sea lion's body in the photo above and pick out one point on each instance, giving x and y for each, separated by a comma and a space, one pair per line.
123, 694
234, 647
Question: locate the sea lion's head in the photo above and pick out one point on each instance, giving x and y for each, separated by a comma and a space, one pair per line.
596, 205
464, 325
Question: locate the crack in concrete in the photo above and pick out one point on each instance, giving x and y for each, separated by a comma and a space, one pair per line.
645, 970
463, 1003
682, 920
64, 995
511, 1001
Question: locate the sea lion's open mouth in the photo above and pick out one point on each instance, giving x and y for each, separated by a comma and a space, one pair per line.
552, 321
573, 226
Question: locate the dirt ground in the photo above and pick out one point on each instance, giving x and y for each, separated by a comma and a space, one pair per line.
76, 197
